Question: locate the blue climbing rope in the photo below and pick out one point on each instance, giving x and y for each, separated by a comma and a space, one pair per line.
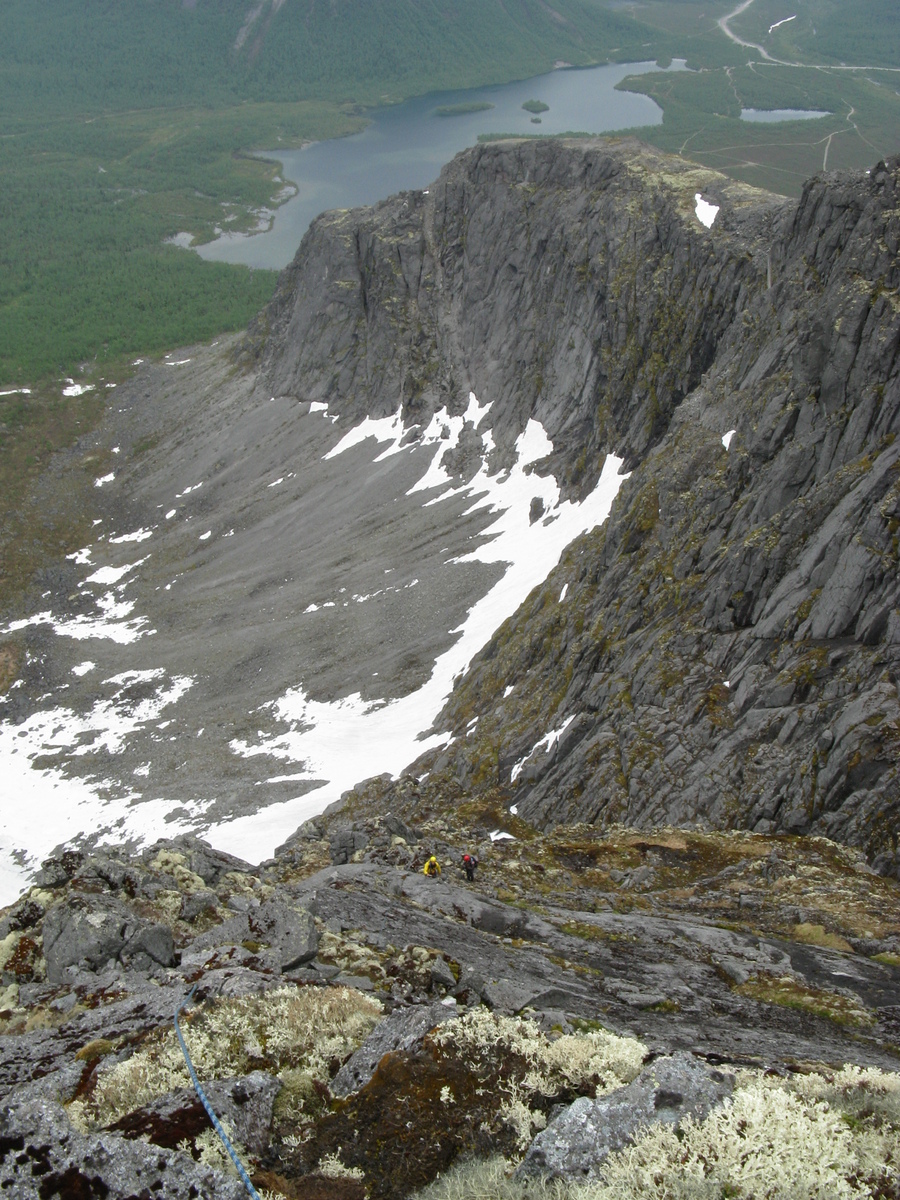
217, 1125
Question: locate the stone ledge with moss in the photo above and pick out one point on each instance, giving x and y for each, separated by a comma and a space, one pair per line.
670, 981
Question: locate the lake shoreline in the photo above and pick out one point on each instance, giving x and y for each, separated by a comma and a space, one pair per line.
403, 147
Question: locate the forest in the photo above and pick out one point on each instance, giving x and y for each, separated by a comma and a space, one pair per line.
126, 122
119, 133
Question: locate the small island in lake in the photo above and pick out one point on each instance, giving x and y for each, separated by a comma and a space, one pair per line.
458, 110
536, 106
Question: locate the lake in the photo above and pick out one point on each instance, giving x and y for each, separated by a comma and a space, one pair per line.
406, 145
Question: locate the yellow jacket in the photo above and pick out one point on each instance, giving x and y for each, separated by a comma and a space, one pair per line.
432, 867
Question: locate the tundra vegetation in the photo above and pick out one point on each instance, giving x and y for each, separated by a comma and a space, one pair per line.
384, 1070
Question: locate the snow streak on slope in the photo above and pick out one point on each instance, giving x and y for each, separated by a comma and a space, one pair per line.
141, 718
349, 740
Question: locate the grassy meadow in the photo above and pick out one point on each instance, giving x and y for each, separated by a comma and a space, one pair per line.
814, 53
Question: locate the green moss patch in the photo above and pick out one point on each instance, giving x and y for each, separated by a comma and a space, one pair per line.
786, 992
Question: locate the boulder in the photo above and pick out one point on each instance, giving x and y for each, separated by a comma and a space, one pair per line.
89, 930
290, 931
344, 843
63, 1162
195, 903
574, 1146
398, 828
402, 1030
244, 1103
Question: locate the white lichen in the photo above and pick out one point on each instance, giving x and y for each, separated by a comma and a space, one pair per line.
307, 1029
331, 1167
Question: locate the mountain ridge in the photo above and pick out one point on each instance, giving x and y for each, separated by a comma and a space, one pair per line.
721, 651
763, 573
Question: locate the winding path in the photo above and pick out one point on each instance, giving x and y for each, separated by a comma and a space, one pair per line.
739, 41
726, 29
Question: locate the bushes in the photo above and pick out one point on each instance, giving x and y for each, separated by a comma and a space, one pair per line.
597, 1061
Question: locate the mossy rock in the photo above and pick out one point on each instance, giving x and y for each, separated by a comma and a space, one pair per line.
817, 935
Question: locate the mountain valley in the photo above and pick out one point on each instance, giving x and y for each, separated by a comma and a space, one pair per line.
550, 514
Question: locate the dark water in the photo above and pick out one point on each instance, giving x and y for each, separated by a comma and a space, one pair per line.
406, 145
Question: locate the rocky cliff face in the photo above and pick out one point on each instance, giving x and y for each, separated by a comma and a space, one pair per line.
571, 283
726, 649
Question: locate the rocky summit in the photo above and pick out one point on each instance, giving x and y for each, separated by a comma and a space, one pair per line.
674, 753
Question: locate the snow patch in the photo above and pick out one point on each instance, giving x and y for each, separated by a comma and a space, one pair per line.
339, 743
726, 437
50, 809
546, 744
76, 389
139, 535
706, 212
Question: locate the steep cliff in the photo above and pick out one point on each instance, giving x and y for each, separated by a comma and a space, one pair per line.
725, 648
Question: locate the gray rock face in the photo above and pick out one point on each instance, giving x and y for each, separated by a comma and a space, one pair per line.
729, 646
739, 602
41, 1154
424, 298
344, 844
245, 1104
290, 931
150, 946
400, 1031
95, 930
574, 1146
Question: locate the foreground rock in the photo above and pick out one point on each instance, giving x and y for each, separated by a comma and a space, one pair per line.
42, 1155
343, 1013
575, 1145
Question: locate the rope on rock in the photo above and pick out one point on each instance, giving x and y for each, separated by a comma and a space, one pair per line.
217, 1125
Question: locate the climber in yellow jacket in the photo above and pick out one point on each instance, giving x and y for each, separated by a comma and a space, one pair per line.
432, 868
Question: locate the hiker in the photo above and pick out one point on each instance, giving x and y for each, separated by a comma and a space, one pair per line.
432, 868
469, 862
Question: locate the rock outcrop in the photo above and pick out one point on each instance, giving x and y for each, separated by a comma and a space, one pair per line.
579, 992
725, 648
576, 1143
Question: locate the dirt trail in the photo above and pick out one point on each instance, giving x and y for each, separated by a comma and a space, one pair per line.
726, 29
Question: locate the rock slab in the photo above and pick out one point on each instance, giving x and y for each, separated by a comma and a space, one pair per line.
575, 1145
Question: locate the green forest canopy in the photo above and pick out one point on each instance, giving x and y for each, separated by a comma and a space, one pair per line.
124, 122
